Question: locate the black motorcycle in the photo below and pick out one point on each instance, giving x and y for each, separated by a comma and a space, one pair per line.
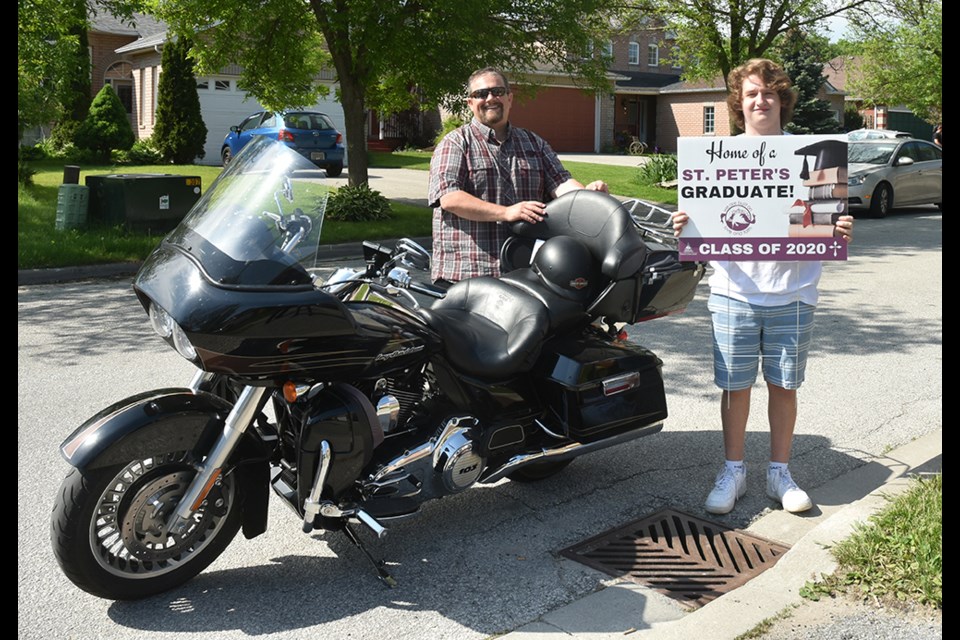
358, 396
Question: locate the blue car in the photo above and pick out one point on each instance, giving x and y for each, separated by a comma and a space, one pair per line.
309, 133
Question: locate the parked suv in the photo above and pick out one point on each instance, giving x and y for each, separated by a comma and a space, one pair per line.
309, 133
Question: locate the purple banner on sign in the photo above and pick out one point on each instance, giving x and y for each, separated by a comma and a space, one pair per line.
814, 248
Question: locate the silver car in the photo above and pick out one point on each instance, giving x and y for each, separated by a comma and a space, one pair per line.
893, 172
876, 134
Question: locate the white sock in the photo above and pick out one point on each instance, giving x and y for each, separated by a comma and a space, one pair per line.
777, 466
736, 466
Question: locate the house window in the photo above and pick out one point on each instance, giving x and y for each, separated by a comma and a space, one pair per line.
634, 53
608, 50
653, 55
221, 85
203, 85
708, 119
120, 76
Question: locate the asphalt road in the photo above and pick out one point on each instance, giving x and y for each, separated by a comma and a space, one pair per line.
485, 561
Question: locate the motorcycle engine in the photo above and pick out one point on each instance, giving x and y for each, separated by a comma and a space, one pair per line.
456, 460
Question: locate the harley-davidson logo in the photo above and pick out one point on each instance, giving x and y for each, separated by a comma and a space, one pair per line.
579, 283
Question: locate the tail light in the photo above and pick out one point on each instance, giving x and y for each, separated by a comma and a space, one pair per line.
339, 138
284, 136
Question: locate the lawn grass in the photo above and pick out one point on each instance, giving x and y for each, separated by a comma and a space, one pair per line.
41, 245
898, 554
622, 180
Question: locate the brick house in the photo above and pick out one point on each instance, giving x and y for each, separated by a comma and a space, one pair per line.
898, 118
647, 99
128, 57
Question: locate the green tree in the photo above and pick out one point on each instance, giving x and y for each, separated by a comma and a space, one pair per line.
901, 60
179, 133
803, 55
45, 49
52, 58
76, 90
380, 50
714, 36
106, 126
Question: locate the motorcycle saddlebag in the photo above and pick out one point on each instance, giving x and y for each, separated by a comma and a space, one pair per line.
595, 388
664, 285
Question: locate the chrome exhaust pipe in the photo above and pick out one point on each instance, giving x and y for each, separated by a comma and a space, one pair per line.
565, 452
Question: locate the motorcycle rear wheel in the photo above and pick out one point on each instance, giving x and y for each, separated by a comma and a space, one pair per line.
108, 527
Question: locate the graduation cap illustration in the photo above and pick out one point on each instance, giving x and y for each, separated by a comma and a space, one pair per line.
829, 153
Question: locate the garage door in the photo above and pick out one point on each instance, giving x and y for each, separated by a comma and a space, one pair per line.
563, 117
223, 105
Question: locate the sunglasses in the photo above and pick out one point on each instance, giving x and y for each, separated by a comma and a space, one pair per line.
481, 94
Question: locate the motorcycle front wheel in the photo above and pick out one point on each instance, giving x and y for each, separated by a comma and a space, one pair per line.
109, 527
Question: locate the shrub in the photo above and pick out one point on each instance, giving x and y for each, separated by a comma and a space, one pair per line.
142, 152
658, 169
25, 173
179, 132
106, 127
449, 124
357, 203
852, 119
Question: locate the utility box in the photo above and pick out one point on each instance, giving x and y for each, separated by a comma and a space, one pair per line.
141, 201
72, 203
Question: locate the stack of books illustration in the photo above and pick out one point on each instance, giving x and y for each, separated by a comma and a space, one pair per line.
817, 214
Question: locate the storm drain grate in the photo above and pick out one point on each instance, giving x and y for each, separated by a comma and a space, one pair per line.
684, 557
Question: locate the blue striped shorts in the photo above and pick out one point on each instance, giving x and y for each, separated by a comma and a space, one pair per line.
745, 334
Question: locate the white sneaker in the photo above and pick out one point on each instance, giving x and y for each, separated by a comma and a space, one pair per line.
729, 486
781, 487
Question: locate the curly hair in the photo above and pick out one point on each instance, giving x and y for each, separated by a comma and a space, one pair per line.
773, 76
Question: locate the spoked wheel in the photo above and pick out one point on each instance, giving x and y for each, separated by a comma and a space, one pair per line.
539, 471
109, 528
637, 148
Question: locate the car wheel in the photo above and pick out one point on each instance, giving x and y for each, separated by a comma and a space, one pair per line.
882, 201
334, 171
226, 156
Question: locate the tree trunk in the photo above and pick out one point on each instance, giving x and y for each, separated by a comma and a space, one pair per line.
355, 119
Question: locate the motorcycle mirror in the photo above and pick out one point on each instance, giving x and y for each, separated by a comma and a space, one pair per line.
415, 261
413, 254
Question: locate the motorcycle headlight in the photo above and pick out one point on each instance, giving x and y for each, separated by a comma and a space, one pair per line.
856, 181
161, 321
182, 344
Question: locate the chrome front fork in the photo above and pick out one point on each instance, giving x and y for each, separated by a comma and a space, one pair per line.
208, 471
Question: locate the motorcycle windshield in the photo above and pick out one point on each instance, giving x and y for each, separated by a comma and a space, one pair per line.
259, 223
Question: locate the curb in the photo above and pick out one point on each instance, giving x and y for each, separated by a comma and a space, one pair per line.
627, 608
28, 277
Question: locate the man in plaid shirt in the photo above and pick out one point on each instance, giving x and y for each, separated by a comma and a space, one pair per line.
486, 173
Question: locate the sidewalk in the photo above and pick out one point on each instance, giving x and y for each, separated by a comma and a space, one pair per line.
629, 610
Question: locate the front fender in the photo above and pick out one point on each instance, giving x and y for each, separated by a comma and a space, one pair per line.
146, 424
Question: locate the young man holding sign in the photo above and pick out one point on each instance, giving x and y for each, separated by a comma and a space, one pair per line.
762, 313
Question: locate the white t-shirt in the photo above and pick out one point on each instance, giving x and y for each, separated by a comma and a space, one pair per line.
767, 284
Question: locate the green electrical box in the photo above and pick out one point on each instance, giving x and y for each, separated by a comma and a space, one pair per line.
141, 201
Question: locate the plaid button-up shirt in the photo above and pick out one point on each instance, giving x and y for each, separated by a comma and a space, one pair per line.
470, 159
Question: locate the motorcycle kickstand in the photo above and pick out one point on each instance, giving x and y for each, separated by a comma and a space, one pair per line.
379, 565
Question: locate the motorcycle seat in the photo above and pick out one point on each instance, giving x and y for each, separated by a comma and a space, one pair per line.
490, 329
600, 222
563, 313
